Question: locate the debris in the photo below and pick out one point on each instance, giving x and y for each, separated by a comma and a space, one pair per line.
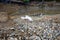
27, 18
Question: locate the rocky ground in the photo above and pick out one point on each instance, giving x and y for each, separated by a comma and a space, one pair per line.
45, 27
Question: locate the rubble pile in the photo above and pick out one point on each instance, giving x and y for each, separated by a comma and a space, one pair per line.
40, 30
19, 29
38, 27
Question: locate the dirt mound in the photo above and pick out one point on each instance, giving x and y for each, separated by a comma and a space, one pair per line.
53, 18
3, 17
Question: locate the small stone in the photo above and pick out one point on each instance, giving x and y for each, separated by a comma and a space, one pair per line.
34, 37
40, 27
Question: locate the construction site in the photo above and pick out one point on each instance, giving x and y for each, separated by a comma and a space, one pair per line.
29, 20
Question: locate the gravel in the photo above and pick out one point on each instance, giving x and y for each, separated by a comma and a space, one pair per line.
46, 30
